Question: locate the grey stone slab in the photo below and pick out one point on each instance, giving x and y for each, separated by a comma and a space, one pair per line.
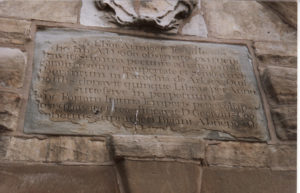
94, 83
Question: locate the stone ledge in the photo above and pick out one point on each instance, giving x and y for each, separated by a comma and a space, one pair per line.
238, 154
276, 48
20, 178
54, 149
158, 147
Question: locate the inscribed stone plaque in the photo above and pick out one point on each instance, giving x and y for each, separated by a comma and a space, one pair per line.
91, 83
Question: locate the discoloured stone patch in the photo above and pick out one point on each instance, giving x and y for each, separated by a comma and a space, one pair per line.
14, 31
280, 84
286, 10
12, 67
270, 60
9, 111
285, 121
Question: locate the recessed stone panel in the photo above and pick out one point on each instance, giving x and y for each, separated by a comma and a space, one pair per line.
91, 83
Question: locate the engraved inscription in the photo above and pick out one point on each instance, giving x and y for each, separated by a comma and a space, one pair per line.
147, 84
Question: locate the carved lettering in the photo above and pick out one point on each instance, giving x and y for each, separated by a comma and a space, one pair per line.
132, 84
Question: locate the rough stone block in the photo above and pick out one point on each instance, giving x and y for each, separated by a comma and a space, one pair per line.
48, 10
283, 157
57, 179
154, 177
10, 104
286, 10
56, 149
237, 154
245, 20
285, 121
280, 84
270, 60
14, 31
12, 67
158, 147
276, 48
233, 180
278, 157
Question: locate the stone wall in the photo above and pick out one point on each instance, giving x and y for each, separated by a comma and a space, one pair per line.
135, 163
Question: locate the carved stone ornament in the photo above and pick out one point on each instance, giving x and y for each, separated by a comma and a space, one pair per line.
161, 14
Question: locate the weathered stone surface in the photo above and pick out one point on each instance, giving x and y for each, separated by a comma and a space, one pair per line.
285, 121
12, 67
283, 157
245, 20
141, 146
153, 177
109, 84
196, 27
57, 179
49, 10
54, 149
286, 10
276, 48
10, 104
280, 84
14, 31
270, 60
91, 16
279, 157
233, 180
161, 14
